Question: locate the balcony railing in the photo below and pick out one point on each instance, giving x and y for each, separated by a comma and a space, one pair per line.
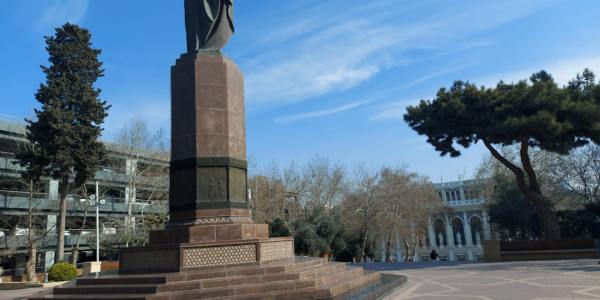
49, 241
466, 202
18, 200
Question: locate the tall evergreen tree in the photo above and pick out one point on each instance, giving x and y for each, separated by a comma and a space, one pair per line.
535, 114
64, 135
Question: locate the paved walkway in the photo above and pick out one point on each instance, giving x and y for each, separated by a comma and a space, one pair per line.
19, 294
540, 280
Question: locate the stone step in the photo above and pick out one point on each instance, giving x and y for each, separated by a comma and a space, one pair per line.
128, 288
122, 280
303, 262
331, 291
238, 290
327, 268
94, 296
137, 289
301, 278
343, 275
342, 286
274, 267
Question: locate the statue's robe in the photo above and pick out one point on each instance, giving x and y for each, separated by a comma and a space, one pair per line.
208, 24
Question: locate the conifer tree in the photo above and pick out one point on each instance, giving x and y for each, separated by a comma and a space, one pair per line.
535, 114
64, 135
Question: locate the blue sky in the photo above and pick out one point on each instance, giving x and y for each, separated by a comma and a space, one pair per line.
331, 77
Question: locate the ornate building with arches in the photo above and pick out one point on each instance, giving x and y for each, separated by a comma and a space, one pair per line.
455, 233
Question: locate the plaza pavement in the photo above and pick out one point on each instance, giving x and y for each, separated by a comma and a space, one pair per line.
20, 294
540, 280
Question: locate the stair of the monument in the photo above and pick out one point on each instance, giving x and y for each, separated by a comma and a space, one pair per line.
303, 278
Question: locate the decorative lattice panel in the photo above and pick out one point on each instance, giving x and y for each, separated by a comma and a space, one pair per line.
275, 250
219, 256
149, 259
221, 220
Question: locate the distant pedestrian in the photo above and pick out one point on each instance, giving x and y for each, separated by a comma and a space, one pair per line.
434, 255
595, 228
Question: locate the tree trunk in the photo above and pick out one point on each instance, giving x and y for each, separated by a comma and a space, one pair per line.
32, 242
547, 219
74, 255
388, 249
528, 185
30, 273
364, 245
62, 220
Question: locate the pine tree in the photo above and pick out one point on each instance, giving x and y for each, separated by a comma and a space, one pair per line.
535, 114
64, 135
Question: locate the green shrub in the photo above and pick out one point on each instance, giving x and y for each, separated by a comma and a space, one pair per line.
62, 272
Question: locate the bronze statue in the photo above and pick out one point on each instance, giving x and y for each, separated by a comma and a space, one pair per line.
208, 24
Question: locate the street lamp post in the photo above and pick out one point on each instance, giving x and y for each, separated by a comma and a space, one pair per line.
96, 201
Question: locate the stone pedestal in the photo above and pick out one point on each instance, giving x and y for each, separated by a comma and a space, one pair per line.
91, 267
210, 223
208, 139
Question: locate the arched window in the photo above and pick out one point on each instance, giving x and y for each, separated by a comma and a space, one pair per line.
476, 230
440, 232
458, 231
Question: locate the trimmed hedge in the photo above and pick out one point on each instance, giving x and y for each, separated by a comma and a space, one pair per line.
62, 272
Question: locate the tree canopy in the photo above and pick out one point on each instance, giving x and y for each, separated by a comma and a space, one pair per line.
529, 114
550, 117
64, 135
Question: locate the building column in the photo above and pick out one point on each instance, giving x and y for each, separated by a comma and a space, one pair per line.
462, 194
487, 233
449, 232
130, 170
52, 189
467, 226
51, 229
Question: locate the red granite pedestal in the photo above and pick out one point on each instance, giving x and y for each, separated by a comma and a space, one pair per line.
210, 224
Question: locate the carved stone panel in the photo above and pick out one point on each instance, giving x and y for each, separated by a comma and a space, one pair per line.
237, 185
219, 256
212, 184
276, 250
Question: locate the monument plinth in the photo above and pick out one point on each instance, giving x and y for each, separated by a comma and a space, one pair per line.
208, 141
209, 223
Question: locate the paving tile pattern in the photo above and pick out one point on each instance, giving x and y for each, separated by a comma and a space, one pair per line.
540, 280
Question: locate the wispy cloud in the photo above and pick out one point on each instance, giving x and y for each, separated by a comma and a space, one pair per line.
562, 70
57, 12
394, 110
341, 46
435, 74
320, 113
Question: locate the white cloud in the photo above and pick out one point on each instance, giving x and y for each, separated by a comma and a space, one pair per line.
562, 70
319, 113
393, 111
331, 49
58, 12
